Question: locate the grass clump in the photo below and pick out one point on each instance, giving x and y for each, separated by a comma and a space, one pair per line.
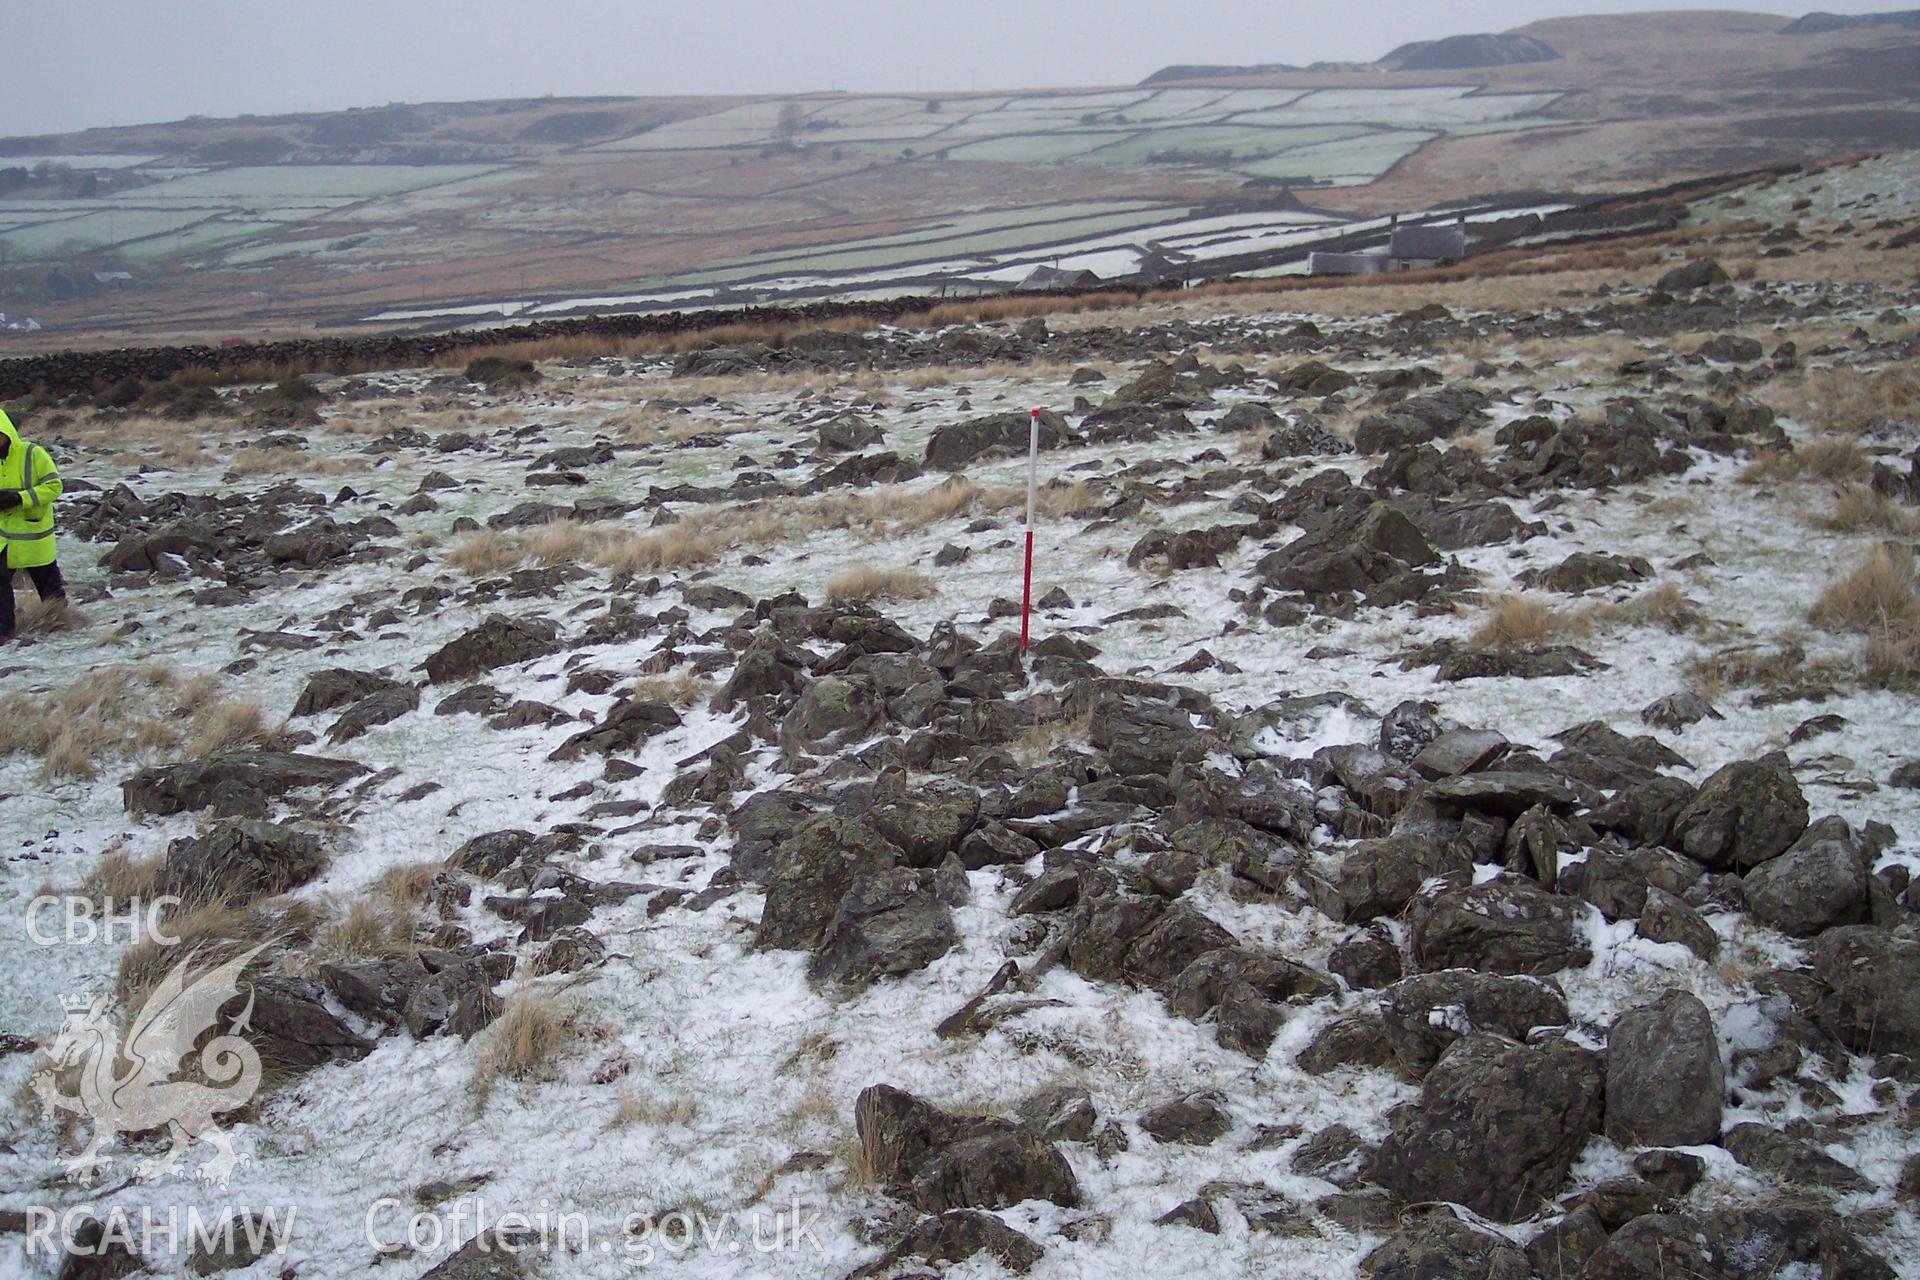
1860, 508
528, 1038
1849, 400
880, 584
211, 933
657, 1111
127, 711
1877, 594
1519, 621
1838, 459
121, 876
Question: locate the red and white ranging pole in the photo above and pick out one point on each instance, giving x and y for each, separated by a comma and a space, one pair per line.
1033, 462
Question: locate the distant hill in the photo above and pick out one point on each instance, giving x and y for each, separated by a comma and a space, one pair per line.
1216, 71
1817, 24
1460, 53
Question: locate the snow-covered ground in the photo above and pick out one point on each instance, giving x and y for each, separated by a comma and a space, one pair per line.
747, 1071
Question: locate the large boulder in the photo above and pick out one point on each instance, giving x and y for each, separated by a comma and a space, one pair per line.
812, 869
625, 727
239, 861
456, 999
929, 823
1747, 812
1508, 924
338, 686
1820, 882
1426, 1013
1497, 1128
833, 711
1587, 570
376, 990
1872, 1004
1180, 936
1735, 1243
294, 1031
938, 1161
498, 641
1665, 1083
377, 708
1695, 273
888, 922
1000, 434
237, 783
1382, 877
765, 669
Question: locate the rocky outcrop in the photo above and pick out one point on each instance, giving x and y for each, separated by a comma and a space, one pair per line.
1497, 1128
238, 784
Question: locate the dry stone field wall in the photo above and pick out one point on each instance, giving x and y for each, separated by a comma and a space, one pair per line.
1428, 836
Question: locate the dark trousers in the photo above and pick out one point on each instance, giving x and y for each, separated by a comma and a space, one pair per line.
46, 580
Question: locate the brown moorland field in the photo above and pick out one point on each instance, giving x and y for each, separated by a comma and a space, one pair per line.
457, 213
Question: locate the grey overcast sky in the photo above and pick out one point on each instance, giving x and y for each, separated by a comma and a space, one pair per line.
82, 63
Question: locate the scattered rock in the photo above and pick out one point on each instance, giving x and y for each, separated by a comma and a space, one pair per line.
1665, 1084
1497, 1128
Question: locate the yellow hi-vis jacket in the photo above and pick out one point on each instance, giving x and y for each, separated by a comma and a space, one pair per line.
27, 530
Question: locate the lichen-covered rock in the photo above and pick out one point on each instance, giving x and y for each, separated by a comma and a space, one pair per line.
1872, 1004
812, 869
1381, 877
1426, 1013
1505, 925
498, 641
888, 922
1497, 1128
235, 784
1747, 812
1665, 1082
939, 1161
1820, 882
238, 861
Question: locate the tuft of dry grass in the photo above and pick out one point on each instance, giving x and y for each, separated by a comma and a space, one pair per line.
281, 461
1662, 605
1748, 666
373, 927
34, 616
1518, 621
126, 711
1832, 458
1849, 400
880, 584
532, 1030
1877, 594
1891, 659
210, 932
122, 876
701, 537
678, 689
1860, 508
221, 725
406, 883
1879, 599
659, 1111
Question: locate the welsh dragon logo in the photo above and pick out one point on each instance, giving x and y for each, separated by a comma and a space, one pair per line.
127, 1085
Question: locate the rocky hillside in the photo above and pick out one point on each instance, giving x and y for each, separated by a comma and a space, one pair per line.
1459, 53
1459, 815
1815, 24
